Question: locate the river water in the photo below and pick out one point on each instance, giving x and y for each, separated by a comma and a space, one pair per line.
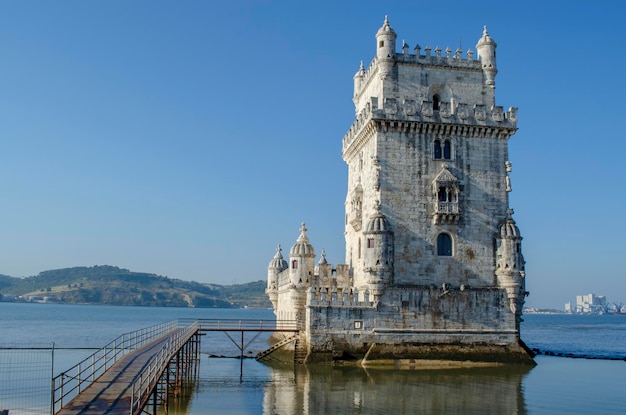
557, 385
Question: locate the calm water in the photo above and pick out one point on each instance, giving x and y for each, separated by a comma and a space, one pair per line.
229, 386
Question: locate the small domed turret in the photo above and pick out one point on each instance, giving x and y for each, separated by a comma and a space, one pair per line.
301, 260
358, 80
276, 266
378, 222
509, 229
278, 262
385, 48
302, 247
378, 255
386, 38
486, 49
510, 264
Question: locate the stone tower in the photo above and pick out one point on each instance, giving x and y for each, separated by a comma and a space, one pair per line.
433, 255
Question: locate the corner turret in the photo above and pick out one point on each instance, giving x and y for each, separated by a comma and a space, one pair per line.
386, 48
510, 264
358, 79
378, 255
276, 266
486, 49
301, 260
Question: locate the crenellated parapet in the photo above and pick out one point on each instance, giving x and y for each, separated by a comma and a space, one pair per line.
348, 297
421, 116
427, 59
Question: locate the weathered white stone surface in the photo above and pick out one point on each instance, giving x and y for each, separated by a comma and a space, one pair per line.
433, 255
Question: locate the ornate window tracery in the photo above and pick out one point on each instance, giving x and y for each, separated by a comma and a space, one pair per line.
446, 191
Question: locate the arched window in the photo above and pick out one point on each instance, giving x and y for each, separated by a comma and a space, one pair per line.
436, 101
437, 150
294, 264
447, 150
443, 194
444, 245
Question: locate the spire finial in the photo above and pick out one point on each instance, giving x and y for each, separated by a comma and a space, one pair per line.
278, 254
323, 258
485, 33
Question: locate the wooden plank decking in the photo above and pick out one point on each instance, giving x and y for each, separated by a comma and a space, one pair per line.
111, 392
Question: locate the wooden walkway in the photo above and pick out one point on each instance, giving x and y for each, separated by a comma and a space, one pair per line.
111, 393
123, 385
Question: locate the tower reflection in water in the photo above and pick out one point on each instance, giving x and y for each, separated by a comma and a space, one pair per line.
323, 389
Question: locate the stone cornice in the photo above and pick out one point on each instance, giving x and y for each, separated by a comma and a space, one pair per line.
495, 124
365, 132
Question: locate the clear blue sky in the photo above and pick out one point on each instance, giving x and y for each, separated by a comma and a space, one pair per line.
189, 138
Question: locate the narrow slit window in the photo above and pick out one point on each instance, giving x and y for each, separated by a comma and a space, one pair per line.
370, 242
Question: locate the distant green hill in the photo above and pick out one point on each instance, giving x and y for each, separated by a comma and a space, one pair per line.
116, 286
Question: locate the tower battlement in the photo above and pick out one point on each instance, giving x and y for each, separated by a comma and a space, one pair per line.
427, 60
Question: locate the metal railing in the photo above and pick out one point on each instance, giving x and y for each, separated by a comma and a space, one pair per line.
242, 325
73, 381
144, 382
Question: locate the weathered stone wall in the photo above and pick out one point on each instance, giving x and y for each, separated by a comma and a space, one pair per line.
418, 315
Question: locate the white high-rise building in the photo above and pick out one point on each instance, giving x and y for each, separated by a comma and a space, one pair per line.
590, 304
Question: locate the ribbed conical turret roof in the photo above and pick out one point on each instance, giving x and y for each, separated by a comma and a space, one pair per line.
386, 29
485, 39
378, 221
509, 229
278, 262
302, 247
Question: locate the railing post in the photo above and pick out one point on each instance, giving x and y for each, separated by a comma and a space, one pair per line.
61, 390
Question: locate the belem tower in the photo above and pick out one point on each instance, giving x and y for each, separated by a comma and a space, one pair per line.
434, 270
